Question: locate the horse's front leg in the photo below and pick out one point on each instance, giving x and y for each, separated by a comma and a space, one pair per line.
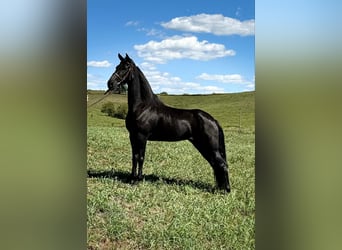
138, 143
141, 158
134, 158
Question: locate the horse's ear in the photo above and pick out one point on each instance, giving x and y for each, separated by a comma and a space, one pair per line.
120, 57
128, 59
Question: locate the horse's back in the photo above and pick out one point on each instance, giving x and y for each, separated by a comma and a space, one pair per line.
161, 123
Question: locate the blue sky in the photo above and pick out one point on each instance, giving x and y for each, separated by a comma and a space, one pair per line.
188, 46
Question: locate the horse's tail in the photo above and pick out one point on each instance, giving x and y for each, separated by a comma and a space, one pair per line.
221, 170
222, 146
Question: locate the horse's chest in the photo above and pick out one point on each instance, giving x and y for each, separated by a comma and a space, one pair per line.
140, 122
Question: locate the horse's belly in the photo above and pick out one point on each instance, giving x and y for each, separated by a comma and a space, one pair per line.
176, 132
166, 137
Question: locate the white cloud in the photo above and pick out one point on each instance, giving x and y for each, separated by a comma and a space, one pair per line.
234, 78
164, 82
95, 82
94, 85
178, 47
148, 66
237, 12
251, 86
216, 24
99, 64
132, 23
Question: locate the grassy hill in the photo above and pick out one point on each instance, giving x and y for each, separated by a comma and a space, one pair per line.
231, 110
174, 207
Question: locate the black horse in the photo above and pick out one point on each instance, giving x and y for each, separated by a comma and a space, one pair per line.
149, 119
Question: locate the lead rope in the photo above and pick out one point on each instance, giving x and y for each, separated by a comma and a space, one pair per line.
107, 94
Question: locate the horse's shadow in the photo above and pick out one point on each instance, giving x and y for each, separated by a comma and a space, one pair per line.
125, 177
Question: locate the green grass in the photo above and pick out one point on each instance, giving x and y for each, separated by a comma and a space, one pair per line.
175, 206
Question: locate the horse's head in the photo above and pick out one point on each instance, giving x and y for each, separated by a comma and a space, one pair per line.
122, 73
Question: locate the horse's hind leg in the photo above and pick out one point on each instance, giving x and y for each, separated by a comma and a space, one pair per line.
217, 162
220, 168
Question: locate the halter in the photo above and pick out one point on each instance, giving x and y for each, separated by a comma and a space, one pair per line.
122, 79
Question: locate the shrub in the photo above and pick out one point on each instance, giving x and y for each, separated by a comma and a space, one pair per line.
108, 108
121, 111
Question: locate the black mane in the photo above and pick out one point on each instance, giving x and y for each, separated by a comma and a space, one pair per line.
146, 90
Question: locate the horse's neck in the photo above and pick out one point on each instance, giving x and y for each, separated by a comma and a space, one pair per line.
134, 97
139, 90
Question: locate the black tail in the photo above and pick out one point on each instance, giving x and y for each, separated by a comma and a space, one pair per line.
222, 146
221, 173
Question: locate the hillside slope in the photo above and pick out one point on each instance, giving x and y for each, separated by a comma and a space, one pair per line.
235, 110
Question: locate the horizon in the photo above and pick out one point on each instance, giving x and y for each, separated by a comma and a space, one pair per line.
183, 94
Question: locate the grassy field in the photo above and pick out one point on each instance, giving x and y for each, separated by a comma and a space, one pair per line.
174, 207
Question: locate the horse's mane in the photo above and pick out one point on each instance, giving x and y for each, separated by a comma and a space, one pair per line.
146, 90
